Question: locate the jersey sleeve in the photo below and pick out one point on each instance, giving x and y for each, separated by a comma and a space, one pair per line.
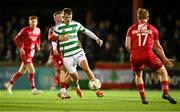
18, 38
81, 28
128, 34
56, 32
51, 36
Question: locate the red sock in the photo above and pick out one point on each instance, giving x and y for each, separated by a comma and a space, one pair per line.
165, 87
31, 80
141, 91
55, 81
67, 86
63, 85
16, 76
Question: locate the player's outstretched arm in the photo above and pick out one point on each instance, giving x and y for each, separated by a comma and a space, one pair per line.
159, 49
93, 36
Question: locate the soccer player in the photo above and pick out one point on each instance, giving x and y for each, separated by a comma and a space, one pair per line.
26, 40
55, 54
140, 39
61, 75
74, 55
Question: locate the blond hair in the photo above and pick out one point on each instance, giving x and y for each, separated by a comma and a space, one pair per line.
33, 17
142, 14
56, 13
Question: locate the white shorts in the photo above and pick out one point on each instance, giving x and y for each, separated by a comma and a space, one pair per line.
71, 63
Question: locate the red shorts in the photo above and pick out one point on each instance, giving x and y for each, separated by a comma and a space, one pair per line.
26, 59
150, 59
57, 60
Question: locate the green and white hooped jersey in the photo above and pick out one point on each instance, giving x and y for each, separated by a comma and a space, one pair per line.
69, 48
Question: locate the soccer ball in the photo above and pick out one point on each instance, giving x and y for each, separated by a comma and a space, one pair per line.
94, 84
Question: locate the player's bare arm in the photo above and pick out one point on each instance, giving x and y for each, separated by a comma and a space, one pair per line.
159, 49
128, 44
79, 44
22, 51
38, 47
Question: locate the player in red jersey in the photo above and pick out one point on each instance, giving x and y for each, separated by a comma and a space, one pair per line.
26, 40
140, 39
55, 54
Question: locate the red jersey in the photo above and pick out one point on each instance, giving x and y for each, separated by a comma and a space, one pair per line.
53, 39
142, 37
27, 38
56, 59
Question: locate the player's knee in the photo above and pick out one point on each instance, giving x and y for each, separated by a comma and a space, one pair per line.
74, 77
138, 75
162, 72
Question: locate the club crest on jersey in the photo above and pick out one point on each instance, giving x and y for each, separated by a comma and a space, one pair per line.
63, 31
73, 29
33, 38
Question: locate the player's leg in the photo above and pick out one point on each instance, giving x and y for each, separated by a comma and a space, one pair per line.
63, 93
140, 86
165, 84
56, 79
70, 65
31, 78
57, 62
85, 66
156, 64
67, 82
16, 76
75, 78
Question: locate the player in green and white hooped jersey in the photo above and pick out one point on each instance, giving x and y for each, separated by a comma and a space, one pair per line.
72, 53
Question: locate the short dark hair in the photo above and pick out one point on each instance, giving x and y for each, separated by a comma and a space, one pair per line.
142, 13
33, 17
67, 11
56, 13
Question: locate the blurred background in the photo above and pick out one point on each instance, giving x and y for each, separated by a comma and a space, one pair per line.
109, 20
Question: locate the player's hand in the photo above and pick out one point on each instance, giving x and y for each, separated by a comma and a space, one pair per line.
55, 52
22, 51
48, 63
100, 42
79, 44
64, 37
38, 48
168, 63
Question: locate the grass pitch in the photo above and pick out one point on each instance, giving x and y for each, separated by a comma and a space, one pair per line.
114, 100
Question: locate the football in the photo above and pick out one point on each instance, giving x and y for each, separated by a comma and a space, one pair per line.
94, 84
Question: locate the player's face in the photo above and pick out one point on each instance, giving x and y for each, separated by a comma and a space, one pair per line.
67, 18
33, 23
58, 18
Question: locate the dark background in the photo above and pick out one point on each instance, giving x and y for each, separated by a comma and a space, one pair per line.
117, 14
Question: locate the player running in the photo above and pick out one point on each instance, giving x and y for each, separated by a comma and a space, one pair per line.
26, 40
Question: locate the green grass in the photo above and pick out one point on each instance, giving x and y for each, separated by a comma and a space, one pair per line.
114, 100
